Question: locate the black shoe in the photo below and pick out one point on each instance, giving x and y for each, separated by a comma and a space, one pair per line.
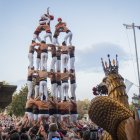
65, 70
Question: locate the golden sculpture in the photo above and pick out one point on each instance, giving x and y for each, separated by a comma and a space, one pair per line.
110, 112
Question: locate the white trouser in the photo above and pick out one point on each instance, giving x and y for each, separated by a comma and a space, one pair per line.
72, 90
65, 59
30, 87
65, 87
73, 117
44, 58
36, 90
55, 41
31, 60
68, 35
35, 117
53, 62
72, 61
36, 37
53, 89
30, 115
38, 63
48, 35
59, 91
43, 89
58, 117
58, 65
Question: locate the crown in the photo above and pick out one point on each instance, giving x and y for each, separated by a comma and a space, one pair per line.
109, 67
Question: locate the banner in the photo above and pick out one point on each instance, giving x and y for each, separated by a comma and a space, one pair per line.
128, 85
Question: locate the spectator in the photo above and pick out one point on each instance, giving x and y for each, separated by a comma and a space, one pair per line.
53, 131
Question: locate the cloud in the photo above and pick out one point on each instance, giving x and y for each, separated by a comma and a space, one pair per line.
90, 59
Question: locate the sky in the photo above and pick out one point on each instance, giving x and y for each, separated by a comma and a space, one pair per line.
97, 27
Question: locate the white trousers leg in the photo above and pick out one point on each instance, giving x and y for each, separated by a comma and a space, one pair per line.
73, 117
35, 117
55, 41
30, 87
72, 61
53, 62
58, 65
44, 58
59, 90
65, 59
72, 89
43, 89
65, 87
36, 37
36, 90
38, 63
30, 57
53, 89
48, 35
30, 115
68, 35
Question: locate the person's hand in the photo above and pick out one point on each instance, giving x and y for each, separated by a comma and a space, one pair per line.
43, 133
132, 127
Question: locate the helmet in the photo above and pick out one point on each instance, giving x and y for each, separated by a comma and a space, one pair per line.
59, 19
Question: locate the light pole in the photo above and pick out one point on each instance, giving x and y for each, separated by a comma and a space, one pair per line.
132, 26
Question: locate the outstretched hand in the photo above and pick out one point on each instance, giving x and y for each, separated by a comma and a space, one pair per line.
132, 127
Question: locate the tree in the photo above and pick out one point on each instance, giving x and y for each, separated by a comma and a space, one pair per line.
82, 107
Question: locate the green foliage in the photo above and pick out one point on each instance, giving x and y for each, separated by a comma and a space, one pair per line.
82, 107
131, 106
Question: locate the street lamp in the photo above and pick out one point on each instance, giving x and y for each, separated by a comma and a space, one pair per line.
135, 100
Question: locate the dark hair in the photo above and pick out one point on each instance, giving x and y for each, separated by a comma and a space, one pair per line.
23, 130
33, 41
15, 136
86, 135
24, 136
80, 133
64, 43
43, 41
72, 98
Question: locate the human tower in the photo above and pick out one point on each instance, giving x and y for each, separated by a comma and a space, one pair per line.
61, 102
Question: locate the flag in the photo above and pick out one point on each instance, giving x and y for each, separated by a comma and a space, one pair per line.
128, 85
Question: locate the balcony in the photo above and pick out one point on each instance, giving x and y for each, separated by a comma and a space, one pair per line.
6, 92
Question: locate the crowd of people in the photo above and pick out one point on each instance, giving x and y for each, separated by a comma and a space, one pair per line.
24, 129
21, 128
